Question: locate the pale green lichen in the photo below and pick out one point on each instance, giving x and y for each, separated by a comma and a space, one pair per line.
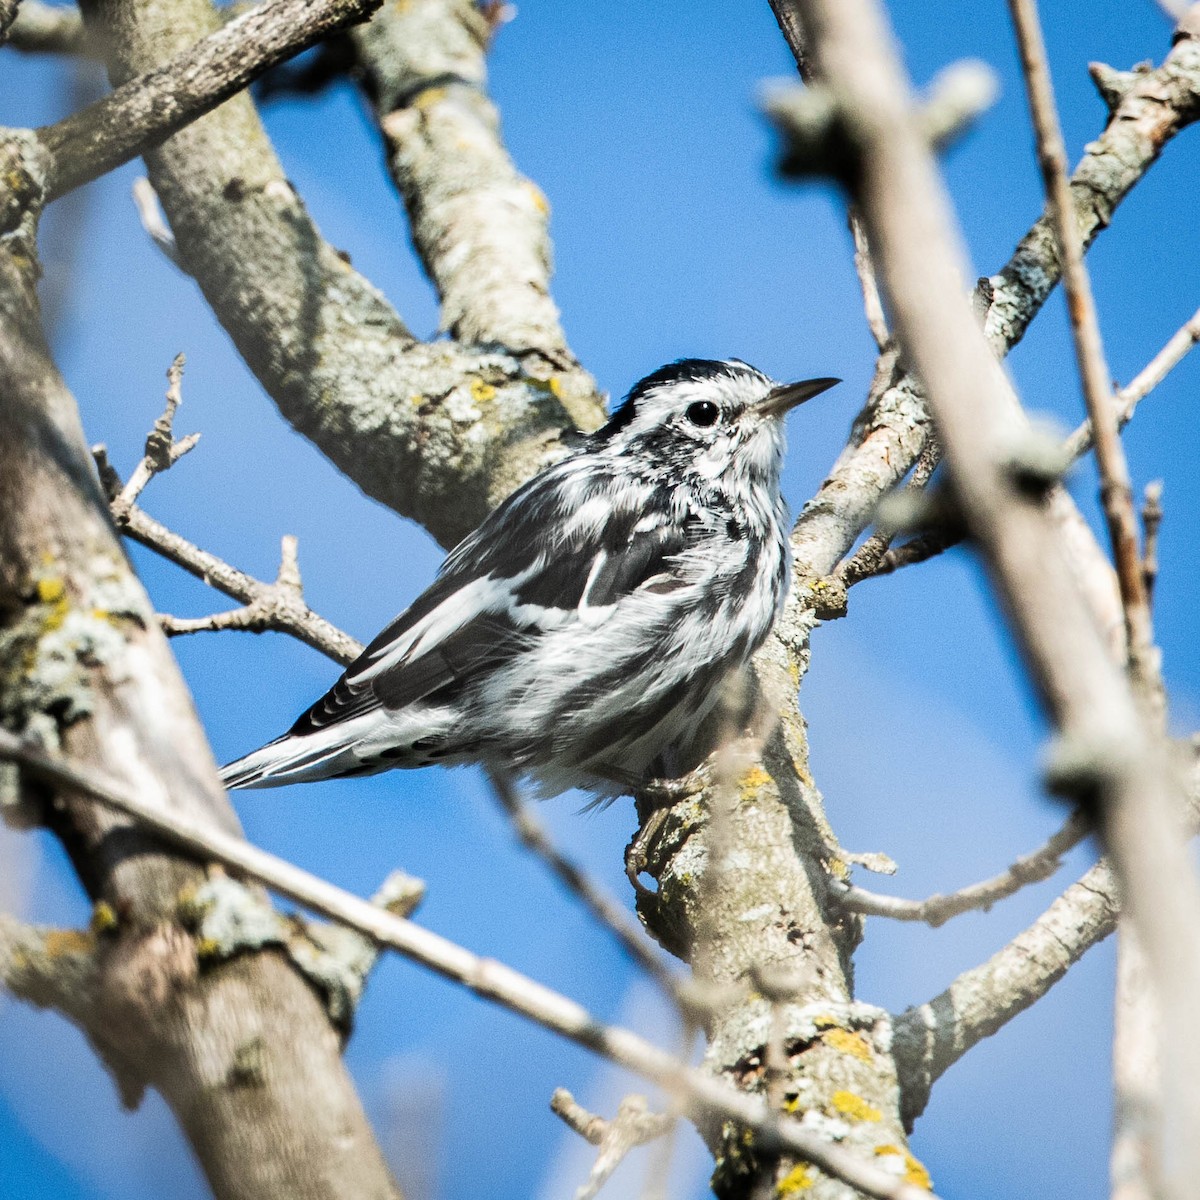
49, 653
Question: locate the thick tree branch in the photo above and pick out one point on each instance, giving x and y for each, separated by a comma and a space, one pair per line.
83, 666
440, 431
480, 227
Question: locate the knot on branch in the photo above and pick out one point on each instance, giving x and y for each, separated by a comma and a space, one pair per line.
1113, 85
24, 171
819, 139
226, 918
634, 1125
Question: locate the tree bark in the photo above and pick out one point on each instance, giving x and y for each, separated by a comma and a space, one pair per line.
237, 1043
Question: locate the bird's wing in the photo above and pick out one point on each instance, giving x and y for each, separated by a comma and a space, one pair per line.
566, 547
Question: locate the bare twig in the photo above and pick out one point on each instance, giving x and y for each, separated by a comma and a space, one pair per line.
701, 1093
1116, 492
162, 452
144, 112
634, 1125
603, 907
150, 213
1146, 380
1152, 515
872, 303
937, 910
277, 605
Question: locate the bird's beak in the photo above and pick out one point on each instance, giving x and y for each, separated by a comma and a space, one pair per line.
787, 395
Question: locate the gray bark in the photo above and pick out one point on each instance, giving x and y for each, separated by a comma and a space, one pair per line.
242, 1051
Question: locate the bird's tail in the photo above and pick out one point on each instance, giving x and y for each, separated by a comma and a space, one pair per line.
304, 758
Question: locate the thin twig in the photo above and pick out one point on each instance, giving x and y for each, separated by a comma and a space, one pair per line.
150, 213
634, 1125
1152, 515
938, 909
926, 546
872, 302
1116, 492
162, 450
1146, 380
269, 605
493, 980
603, 907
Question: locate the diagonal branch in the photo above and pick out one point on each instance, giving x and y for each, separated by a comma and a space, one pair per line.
930, 1038
145, 111
1108, 758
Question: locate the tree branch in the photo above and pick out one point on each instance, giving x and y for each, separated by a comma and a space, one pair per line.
83, 666
933, 1036
891, 431
634, 1125
1108, 757
439, 432
145, 111
937, 910
480, 227
703, 1096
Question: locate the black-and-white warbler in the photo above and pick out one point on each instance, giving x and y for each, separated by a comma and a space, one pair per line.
580, 635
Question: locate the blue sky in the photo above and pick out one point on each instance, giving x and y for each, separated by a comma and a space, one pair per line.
671, 238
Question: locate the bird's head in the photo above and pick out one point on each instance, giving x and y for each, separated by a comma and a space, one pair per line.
711, 420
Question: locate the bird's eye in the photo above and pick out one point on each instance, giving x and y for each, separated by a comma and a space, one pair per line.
703, 413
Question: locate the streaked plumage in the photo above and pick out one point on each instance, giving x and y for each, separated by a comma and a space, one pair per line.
579, 636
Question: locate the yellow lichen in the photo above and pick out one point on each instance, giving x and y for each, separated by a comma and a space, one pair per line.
848, 1043
854, 1107
798, 1179
914, 1170
61, 942
430, 96
539, 198
207, 947
753, 780
50, 590
104, 920
481, 391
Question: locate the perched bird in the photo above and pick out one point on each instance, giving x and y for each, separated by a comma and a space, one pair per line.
579, 636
